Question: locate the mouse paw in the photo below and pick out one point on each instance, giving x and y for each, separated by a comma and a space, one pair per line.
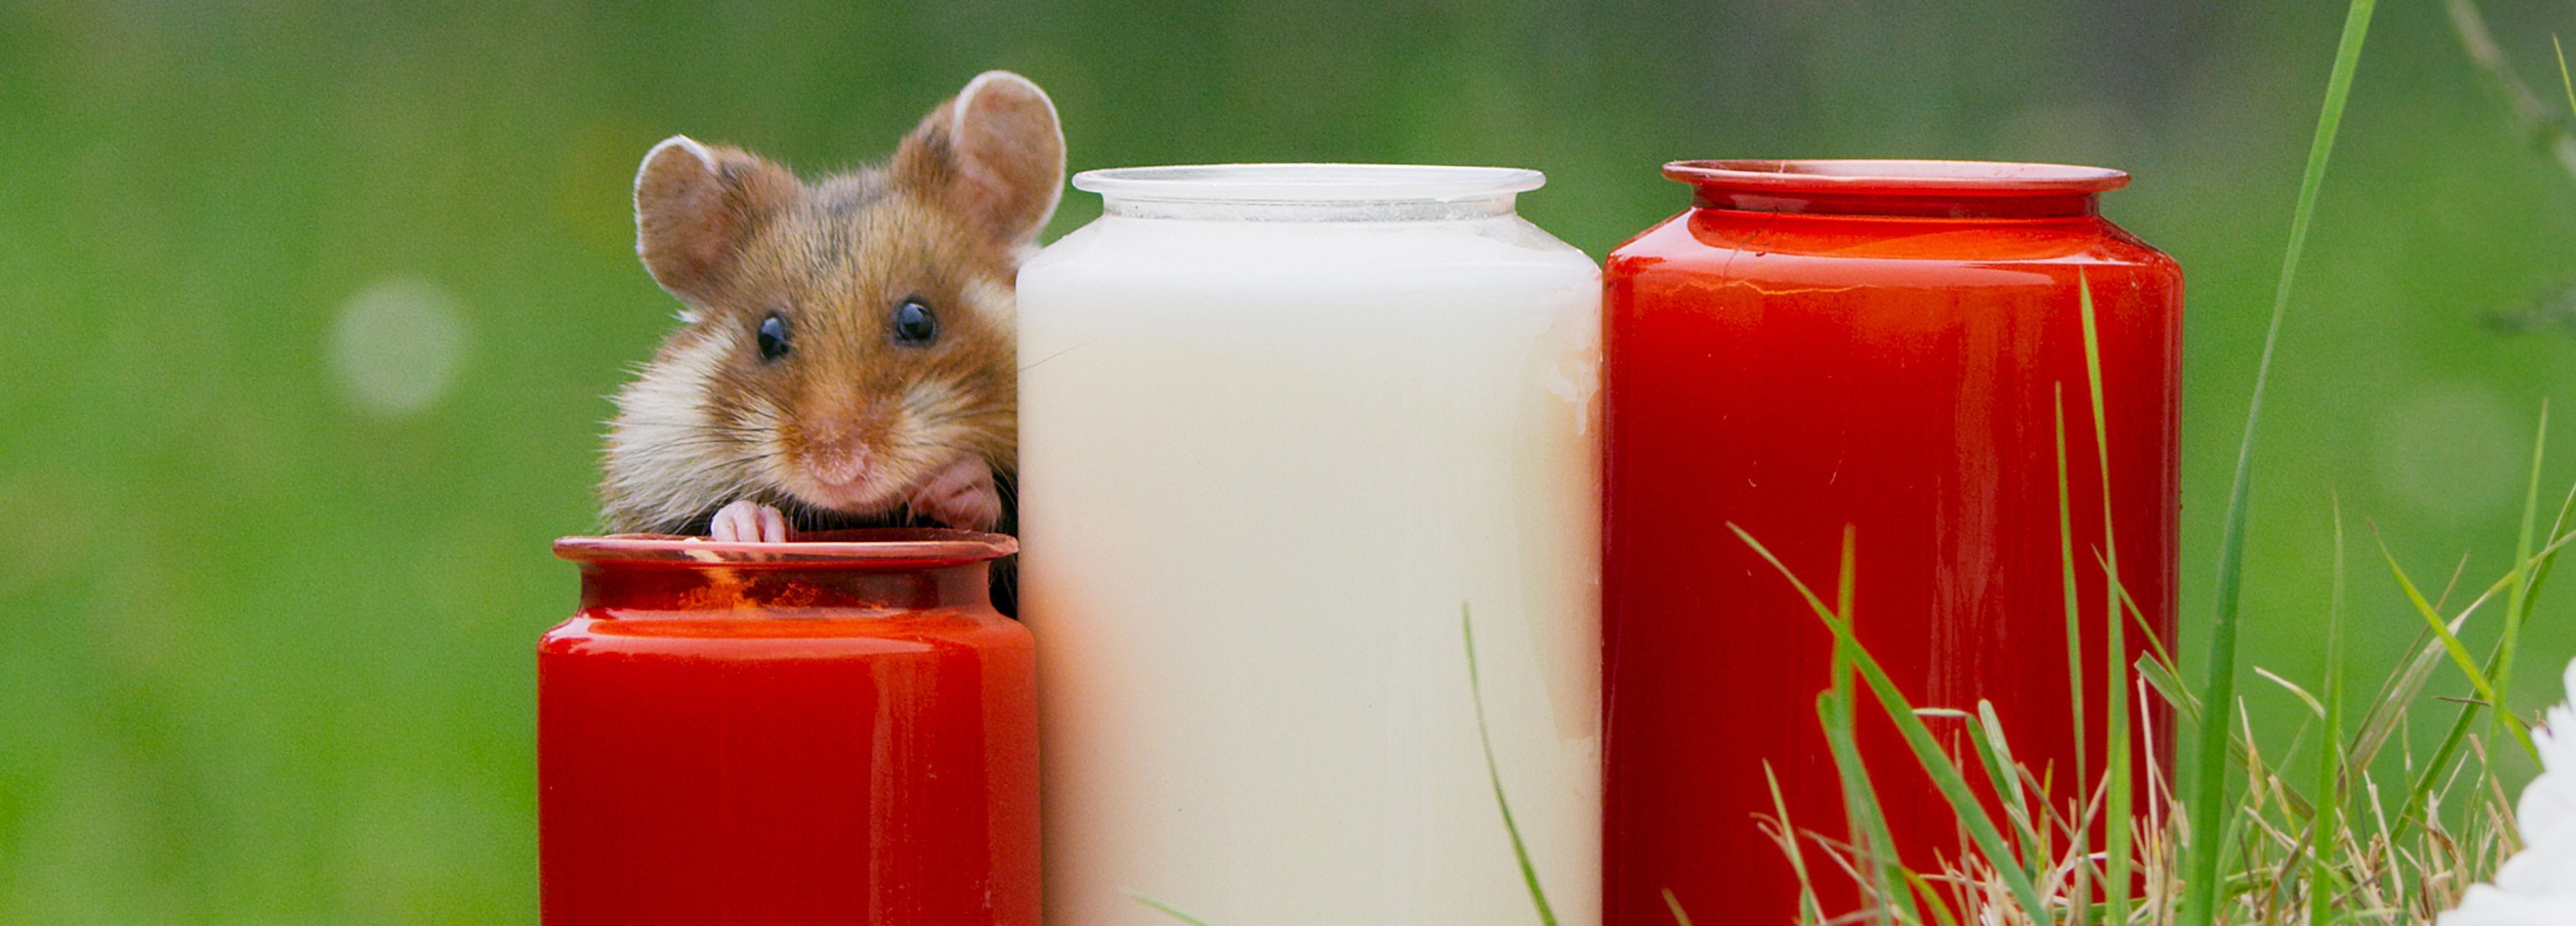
962, 496
747, 521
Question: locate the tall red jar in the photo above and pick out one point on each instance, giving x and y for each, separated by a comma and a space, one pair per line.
1879, 344
841, 732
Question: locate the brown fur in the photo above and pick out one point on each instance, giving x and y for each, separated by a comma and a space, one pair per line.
946, 221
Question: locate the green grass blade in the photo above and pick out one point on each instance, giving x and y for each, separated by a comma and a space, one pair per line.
2451, 644
2382, 720
2421, 791
1941, 914
2316, 707
2116, 767
2138, 621
1675, 903
1494, 770
1927, 751
2563, 82
1847, 576
2074, 607
1167, 909
2082, 836
1994, 754
2208, 779
2390, 710
2409, 814
2517, 606
2161, 676
1807, 905
2549, 555
1860, 804
1838, 711
2327, 820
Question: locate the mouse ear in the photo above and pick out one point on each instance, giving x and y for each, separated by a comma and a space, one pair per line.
995, 152
694, 207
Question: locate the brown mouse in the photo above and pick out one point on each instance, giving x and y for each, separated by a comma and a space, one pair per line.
847, 357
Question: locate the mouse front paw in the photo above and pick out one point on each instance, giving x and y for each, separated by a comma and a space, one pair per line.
747, 521
962, 496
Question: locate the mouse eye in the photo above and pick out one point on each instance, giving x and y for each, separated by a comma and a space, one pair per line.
773, 336
914, 323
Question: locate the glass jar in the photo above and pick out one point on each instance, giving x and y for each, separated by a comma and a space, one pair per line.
1278, 425
842, 732
1882, 344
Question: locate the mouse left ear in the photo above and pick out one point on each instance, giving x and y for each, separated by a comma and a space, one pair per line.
695, 205
996, 153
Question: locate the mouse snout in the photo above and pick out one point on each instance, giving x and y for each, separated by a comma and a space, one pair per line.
840, 451
840, 463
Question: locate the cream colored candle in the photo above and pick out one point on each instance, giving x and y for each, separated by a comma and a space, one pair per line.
1278, 424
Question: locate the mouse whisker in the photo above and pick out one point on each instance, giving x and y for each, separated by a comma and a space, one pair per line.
1033, 364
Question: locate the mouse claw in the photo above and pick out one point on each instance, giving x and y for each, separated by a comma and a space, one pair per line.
962, 496
747, 521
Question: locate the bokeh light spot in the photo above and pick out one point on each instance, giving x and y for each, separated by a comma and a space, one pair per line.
398, 345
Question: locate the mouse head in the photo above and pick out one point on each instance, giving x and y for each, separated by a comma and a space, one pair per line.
847, 338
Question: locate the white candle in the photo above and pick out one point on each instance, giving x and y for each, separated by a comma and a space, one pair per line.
1278, 422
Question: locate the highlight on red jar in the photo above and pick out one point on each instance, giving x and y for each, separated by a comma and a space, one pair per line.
838, 731
1885, 346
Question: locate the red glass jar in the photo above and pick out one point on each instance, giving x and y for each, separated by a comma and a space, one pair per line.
1880, 344
842, 732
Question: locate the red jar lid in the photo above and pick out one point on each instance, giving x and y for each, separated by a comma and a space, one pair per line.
890, 548
1960, 189
1822, 176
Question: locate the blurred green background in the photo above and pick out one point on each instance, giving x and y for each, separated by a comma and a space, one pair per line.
307, 311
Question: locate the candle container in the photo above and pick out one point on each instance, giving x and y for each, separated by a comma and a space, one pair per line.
841, 731
1885, 345
1279, 424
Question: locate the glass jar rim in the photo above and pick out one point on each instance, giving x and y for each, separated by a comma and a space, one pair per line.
1898, 177
1309, 183
882, 548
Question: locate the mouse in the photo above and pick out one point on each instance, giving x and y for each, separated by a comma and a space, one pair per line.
846, 352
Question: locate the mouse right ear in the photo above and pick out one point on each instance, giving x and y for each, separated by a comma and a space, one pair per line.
996, 152
694, 207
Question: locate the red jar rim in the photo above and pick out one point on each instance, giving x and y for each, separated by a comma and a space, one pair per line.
1898, 177
884, 548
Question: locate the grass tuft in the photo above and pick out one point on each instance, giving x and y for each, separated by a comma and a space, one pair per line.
1927, 750
2317, 846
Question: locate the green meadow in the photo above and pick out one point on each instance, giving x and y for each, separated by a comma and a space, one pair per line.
307, 311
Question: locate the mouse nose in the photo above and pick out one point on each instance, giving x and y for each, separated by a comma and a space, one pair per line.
838, 450
840, 463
